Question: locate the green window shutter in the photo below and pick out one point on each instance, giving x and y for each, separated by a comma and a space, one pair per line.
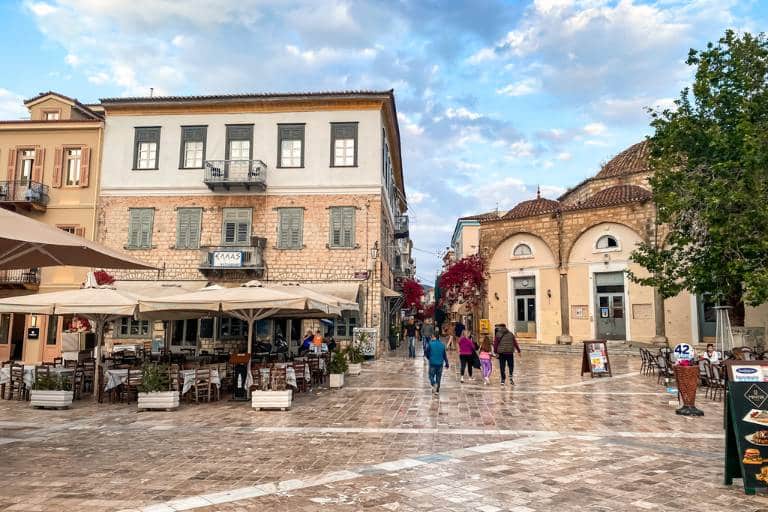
182, 229
297, 234
145, 236
291, 228
244, 216
348, 223
188, 228
134, 227
336, 227
283, 230
195, 227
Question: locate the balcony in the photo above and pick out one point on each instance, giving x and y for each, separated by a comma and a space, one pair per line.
24, 194
20, 279
235, 174
244, 258
401, 226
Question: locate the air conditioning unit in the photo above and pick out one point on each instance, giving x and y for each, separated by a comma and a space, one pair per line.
258, 241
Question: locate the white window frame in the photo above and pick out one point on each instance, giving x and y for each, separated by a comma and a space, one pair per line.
193, 154
72, 164
126, 323
26, 163
522, 256
607, 249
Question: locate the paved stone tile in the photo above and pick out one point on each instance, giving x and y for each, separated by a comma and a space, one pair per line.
554, 441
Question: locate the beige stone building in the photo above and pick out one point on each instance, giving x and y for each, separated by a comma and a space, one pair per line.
557, 269
225, 189
51, 173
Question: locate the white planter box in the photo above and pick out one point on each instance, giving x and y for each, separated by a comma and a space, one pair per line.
41, 398
159, 400
355, 368
272, 399
337, 380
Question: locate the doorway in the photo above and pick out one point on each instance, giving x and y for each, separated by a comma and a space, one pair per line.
524, 306
17, 337
610, 308
707, 317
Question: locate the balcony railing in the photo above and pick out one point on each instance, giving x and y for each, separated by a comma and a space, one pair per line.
228, 257
28, 278
24, 191
401, 226
228, 174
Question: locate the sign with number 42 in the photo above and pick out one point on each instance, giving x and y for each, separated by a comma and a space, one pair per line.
683, 351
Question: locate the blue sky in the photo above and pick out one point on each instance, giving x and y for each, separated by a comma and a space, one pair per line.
495, 98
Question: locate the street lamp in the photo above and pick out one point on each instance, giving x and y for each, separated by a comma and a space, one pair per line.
375, 250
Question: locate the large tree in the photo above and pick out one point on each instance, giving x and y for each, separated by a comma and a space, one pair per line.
710, 160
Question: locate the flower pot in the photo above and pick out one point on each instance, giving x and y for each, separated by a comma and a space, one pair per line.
337, 380
46, 398
166, 400
355, 368
272, 399
687, 382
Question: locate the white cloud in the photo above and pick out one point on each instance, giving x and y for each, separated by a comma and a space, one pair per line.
461, 113
409, 125
482, 55
416, 197
41, 8
521, 88
595, 129
564, 156
629, 110
12, 105
72, 60
520, 149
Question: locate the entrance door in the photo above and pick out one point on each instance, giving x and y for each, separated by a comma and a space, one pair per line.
707, 318
609, 314
17, 337
525, 306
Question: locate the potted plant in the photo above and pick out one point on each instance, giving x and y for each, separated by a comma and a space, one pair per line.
51, 391
155, 391
355, 357
264, 396
337, 369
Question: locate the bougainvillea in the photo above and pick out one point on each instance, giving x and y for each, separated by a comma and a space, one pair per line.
426, 311
463, 281
412, 293
103, 278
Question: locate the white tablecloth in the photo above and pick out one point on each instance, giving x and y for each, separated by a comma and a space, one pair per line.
189, 379
29, 374
113, 378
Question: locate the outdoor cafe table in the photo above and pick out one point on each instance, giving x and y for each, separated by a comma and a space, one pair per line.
189, 379
115, 377
29, 374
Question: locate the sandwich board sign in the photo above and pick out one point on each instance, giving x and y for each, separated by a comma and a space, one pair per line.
595, 359
746, 424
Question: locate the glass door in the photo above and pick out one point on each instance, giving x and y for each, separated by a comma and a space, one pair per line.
610, 317
525, 306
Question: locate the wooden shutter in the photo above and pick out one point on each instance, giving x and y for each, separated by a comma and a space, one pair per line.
283, 230
12, 152
336, 227
182, 229
80, 231
37, 168
58, 159
188, 228
145, 237
85, 161
293, 224
244, 225
134, 227
348, 226
195, 221
236, 226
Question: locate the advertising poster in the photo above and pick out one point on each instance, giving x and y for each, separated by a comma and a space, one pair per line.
595, 359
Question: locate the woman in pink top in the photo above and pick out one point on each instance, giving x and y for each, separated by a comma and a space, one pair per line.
466, 349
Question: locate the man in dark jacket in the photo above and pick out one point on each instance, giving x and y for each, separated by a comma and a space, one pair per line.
505, 345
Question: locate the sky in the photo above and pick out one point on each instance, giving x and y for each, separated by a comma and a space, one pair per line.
494, 98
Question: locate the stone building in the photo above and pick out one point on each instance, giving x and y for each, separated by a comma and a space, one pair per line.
557, 268
225, 189
52, 175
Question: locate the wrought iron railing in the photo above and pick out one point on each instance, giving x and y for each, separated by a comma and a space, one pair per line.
24, 191
232, 257
401, 226
241, 173
21, 276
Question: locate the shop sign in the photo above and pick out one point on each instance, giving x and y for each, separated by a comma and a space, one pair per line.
595, 359
361, 274
228, 259
683, 352
485, 326
33, 333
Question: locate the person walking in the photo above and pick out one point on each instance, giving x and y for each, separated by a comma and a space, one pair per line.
437, 356
485, 359
505, 345
427, 330
466, 351
410, 334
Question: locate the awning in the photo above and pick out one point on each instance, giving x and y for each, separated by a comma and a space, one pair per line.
155, 289
349, 291
389, 292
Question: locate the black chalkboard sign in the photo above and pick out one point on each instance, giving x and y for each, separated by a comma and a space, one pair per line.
595, 359
746, 424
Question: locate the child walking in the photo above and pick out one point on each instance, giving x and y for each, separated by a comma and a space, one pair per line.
485, 359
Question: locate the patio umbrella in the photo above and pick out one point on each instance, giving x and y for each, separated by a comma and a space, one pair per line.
249, 302
99, 304
342, 304
26, 243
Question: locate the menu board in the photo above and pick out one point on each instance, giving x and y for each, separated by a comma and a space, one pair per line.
595, 359
746, 418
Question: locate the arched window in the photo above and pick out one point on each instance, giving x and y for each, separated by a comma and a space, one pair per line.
522, 250
607, 242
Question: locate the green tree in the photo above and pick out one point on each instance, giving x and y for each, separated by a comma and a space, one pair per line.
710, 160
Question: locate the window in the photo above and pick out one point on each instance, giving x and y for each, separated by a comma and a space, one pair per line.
343, 144
290, 145
184, 333
71, 228
236, 226
607, 242
130, 328
342, 226
51, 115
290, 228
522, 250
72, 159
26, 164
140, 228
239, 139
5, 326
192, 147
147, 148
53, 329
232, 328
346, 324
188, 222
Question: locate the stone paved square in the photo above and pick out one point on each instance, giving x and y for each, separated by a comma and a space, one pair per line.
554, 441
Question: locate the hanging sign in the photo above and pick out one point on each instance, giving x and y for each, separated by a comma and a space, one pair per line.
746, 418
228, 259
683, 351
595, 359
485, 326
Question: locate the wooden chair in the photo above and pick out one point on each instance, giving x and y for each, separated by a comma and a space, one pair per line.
665, 370
4, 364
202, 385
301, 381
77, 383
18, 387
277, 378
314, 370
89, 371
717, 382
58, 361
